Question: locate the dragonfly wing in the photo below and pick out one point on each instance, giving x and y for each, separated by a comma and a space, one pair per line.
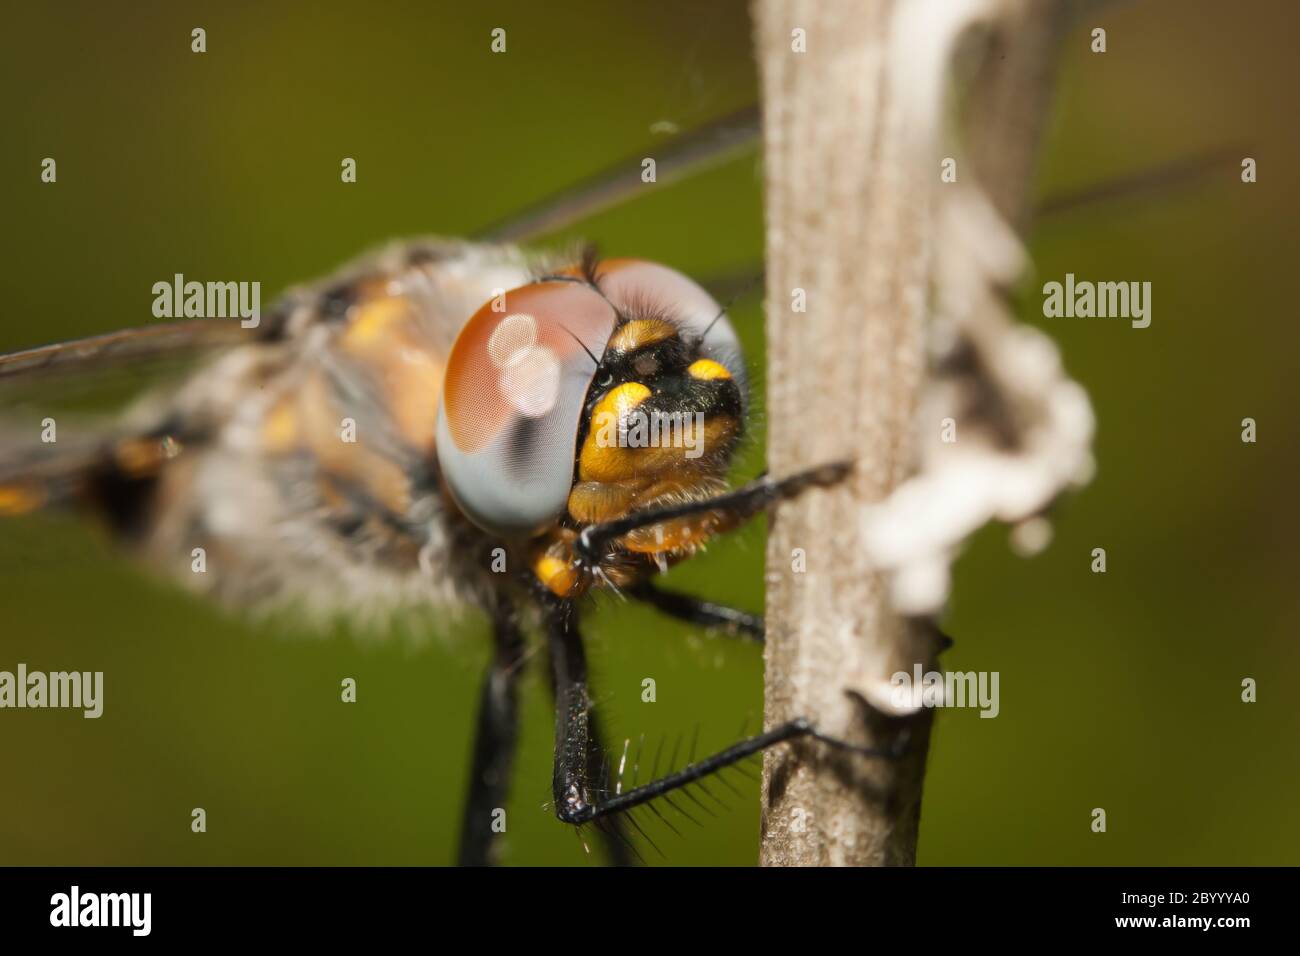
691, 153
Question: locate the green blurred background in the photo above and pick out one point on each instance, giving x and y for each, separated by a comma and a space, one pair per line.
1118, 690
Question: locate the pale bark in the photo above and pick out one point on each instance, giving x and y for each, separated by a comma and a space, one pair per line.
852, 192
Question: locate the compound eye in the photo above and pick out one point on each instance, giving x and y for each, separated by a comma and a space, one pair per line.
633, 283
516, 381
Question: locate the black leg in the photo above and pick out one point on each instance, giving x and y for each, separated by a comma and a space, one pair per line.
742, 503
494, 742
570, 783
687, 607
577, 732
576, 800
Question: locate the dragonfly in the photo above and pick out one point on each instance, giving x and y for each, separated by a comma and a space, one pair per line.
449, 423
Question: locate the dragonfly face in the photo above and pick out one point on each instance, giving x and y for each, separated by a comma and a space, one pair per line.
540, 433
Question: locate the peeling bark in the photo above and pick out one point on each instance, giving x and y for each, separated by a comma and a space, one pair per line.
853, 202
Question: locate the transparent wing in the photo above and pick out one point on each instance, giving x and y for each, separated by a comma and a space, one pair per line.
1146, 183
102, 371
689, 154
1151, 181
90, 379
122, 345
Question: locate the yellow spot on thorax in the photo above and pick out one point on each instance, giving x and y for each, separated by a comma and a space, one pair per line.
373, 320
384, 336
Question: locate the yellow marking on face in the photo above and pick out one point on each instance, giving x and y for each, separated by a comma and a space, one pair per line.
602, 458
591, 502
707, 370
639, 333
683, 484
621, 400
20, 499
669, 458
